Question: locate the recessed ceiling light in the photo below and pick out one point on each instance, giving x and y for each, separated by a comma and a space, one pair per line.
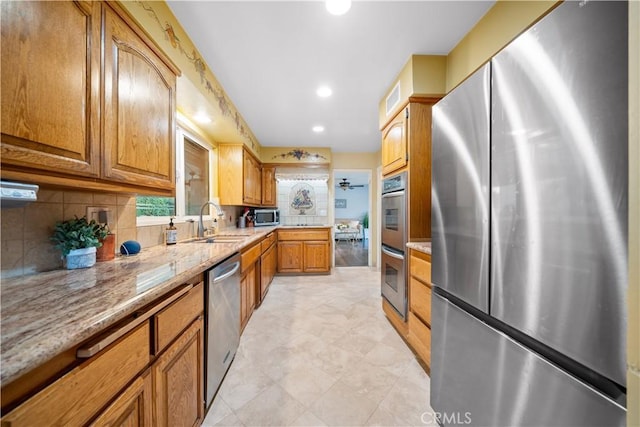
202, 118
324, 91
318, 129
338, 7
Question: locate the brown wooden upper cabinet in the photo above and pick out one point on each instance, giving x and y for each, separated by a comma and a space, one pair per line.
269, 186
51, 112
51, 86
394, 143
139, 114
252, 176
406, 147
239, 176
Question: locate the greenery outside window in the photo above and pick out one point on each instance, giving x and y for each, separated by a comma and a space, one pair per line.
194, 168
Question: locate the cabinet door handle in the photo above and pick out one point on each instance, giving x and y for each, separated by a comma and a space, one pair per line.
94, 347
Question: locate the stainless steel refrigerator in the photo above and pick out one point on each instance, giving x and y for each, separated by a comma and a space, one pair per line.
529, 234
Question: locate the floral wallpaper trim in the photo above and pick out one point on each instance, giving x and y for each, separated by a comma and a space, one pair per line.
224, 104
299, 154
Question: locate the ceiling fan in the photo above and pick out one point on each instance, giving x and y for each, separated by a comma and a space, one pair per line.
344, 184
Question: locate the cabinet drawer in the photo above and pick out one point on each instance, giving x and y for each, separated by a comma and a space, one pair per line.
303, 234
420, 300
249, 256
419, 338
420, 266
76, 397
171, 321
268, 241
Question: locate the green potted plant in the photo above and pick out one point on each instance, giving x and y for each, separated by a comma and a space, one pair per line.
78, 239
365, 225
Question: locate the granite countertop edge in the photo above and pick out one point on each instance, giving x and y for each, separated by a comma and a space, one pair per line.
424, 247
303, 227
45, 314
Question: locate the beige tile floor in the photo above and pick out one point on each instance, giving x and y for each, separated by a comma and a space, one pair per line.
320, 352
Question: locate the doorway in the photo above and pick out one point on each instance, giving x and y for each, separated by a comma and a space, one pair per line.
352, 211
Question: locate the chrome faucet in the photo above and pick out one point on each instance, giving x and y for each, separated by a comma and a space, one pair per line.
201, 228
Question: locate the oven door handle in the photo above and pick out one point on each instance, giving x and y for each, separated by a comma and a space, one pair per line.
392, 254
393, 194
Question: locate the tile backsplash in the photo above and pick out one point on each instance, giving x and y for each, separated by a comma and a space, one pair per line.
303, 202
25, 232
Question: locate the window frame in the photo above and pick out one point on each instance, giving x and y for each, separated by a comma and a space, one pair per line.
180, 216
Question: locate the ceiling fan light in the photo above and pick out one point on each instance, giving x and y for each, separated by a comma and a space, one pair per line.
338, 7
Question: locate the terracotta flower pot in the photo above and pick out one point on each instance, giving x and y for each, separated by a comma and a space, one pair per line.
107, 251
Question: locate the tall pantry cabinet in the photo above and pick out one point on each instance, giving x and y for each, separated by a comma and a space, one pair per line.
406, 146
405, 124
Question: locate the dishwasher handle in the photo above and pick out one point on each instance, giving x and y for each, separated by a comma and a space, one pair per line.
228, 271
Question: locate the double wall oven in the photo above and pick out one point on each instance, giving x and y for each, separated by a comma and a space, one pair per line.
394, 240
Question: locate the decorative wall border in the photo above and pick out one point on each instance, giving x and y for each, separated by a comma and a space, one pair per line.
299, 154
200, 67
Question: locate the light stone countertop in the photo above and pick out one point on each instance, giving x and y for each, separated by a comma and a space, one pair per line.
305, 226
424, 247
44, 314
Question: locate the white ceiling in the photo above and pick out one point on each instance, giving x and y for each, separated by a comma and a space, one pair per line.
271, 56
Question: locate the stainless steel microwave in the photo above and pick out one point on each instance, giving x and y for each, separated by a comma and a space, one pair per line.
266, 217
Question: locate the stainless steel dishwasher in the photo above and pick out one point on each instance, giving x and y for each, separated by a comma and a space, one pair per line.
223, 321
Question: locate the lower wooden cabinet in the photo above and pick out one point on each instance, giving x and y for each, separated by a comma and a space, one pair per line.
268, 266
304, 250
129, 381
290, 257
316, 257
249, 281
247, 294
132, 408
178, 380
419, 316
80, 395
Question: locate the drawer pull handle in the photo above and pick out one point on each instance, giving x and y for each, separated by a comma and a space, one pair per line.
94, 347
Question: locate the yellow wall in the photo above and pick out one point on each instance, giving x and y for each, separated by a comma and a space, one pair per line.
633, 296
501, 24
422, 75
